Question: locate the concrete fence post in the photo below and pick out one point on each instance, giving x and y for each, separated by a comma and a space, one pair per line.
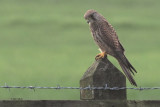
103, 72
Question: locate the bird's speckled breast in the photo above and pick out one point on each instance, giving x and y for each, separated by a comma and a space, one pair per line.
97, 36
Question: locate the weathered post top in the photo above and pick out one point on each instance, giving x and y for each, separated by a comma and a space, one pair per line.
103, 72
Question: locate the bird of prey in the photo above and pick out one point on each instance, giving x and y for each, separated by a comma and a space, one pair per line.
106, 38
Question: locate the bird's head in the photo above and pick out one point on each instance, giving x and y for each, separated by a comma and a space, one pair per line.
91, 16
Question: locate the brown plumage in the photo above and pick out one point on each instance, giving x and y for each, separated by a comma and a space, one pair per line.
107, 40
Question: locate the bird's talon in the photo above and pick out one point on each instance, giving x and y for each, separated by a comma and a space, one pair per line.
100, 56
97, 57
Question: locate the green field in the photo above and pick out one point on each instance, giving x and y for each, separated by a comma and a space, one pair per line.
48, 43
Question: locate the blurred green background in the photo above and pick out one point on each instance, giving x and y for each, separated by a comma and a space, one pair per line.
48, 42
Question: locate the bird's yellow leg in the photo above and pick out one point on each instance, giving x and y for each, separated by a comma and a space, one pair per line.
101, 55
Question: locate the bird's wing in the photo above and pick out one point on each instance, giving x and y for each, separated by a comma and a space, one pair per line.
110, 37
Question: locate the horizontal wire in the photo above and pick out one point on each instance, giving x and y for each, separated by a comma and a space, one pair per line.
81, 88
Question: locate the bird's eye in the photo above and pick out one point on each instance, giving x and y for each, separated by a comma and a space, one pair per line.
92, 17
88, 21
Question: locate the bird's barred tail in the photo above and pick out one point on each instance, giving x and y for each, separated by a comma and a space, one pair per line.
127, 68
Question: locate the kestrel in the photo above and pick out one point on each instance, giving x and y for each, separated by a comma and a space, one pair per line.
106, 38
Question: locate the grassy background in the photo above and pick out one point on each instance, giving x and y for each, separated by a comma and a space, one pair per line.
48, 42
